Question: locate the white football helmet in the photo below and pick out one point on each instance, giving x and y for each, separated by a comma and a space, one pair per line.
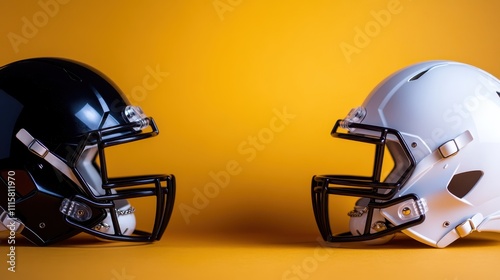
438, 120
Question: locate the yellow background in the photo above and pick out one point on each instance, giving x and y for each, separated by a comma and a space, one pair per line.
224, 69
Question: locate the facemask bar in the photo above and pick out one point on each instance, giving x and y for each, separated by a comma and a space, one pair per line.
379, 192
320, 206
108, 137
163, 190
370, 186
160, 186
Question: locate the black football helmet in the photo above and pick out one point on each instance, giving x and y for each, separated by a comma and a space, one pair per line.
57, 117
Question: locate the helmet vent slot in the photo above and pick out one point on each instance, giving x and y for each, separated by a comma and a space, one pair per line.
461, 184
416, 77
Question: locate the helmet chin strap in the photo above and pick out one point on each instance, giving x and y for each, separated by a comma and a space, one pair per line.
475, 223
37, 148
462, 230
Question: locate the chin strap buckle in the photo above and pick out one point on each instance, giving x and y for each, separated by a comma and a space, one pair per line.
38, 148
453, 146
462, 230
8, 223
470, 225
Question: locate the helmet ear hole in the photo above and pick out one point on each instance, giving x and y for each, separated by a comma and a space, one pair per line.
461, 184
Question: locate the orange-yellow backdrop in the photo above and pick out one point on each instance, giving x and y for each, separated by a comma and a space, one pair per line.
252, 84
215, 74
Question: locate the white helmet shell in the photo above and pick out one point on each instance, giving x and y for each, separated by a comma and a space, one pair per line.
446, 117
